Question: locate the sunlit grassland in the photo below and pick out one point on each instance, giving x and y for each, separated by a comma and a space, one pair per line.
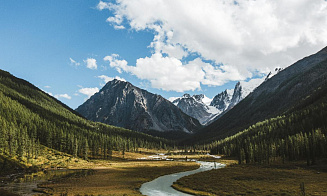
117, 177
277, 179
124, 174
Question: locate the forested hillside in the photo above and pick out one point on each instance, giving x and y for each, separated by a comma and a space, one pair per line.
30, 118
272, 98
297, 134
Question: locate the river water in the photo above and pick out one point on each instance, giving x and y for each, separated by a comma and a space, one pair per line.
26, 184
162, 186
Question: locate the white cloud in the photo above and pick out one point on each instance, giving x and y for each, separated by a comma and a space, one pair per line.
107, 78
88, 91
91, 63
172, 99
73, 62
246, 35
170, 74
117, 27
114, 62
47, 86
66, 96
249, 86
102, 5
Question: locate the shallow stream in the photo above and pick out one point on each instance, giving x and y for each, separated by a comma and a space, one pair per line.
162, 186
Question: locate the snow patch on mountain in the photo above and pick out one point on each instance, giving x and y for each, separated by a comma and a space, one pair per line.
206, 110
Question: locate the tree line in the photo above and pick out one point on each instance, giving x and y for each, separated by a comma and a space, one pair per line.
299, 134
30, 118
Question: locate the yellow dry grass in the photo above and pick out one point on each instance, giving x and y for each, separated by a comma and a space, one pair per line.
119, 178
258, 180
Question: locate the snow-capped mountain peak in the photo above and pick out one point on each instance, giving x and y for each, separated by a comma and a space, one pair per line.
206, 110
206, 100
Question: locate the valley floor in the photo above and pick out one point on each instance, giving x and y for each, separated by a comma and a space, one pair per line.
278, 179
120, 176
124, 175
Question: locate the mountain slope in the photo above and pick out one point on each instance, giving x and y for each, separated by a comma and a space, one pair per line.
195, 107
31, 119
207, 110
299, 133
121, 104
271, 98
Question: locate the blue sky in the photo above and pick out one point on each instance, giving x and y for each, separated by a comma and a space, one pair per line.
162, 47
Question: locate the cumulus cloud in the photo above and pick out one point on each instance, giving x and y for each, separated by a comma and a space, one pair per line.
172, 99
170, 74
107, 78
115, 62
88, 91
246, 36
66, 96
91, 63
73, 62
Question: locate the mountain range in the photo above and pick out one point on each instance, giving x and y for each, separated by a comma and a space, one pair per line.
207, 110
122, 104
275, 96
290, 103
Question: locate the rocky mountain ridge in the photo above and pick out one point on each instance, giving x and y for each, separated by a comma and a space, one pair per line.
207, 110
121, 104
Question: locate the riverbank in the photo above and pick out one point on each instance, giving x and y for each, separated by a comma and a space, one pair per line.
125, 176
162, 186
277, 179
118, 178
122, 174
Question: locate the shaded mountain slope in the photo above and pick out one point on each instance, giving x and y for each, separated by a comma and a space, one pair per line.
194, 106
273, 97
300, 133
121, 104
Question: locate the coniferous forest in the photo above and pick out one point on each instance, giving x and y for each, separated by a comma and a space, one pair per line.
30, 118
298, 134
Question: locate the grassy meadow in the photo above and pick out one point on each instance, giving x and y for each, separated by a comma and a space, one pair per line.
125, 172
122, 175
277, 179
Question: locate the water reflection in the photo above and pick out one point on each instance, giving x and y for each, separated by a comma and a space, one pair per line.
27, 184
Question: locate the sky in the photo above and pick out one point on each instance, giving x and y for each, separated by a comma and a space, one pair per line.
71, 48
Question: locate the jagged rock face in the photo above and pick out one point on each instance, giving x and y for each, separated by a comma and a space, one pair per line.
198, 97
237, 95
228, 98
121, 104
220, 104
193, 106
221, 101
225, 101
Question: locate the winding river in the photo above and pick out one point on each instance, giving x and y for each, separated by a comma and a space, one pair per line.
162, 186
